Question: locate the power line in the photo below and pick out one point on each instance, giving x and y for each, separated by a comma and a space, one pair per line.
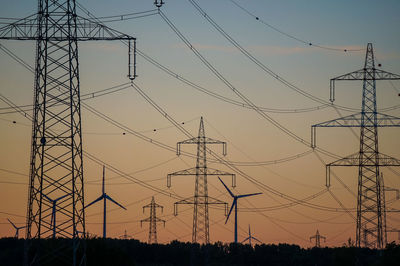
236, 91
308, 43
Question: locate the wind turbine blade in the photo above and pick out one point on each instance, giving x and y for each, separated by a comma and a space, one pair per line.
248, 195
103, 186
226, 188
246, 239
12, 223
256, 239
57, 199
230, 211
96, 200
47, 197
108, 197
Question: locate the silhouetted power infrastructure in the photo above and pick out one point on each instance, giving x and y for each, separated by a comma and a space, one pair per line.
200, 200
318, 238
104, 197
371, 227
250, 237
17, 228
56, 167
54, 211
234, 204
125, 236
152, 220
56, 161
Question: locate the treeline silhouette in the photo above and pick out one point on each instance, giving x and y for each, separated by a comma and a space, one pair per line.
99, 251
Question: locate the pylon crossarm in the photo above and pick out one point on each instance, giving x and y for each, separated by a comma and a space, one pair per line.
354, 160
354, 75
194, 171
359, 75
87, 30
184, 201
158, 220
23, 29
354, 120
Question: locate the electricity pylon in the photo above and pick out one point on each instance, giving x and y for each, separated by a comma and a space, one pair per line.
234, 204
370, 205
200, 200
152, 220
125, 236
318, 238
56, 162
104, 197
17, 228
250, 237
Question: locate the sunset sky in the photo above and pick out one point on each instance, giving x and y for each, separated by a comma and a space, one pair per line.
251, 139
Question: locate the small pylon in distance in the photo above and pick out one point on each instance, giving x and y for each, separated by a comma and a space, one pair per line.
152, 220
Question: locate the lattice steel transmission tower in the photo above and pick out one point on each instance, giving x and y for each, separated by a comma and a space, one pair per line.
56, 167
200, 200
318, 238
152, 220
56, 162
371, 228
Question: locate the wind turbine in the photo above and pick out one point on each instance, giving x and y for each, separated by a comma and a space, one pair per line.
250, 237
16, 228
234, 204
104, 197
53, 212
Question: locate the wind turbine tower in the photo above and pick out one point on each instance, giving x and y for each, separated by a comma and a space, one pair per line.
234, 204
200, 200
318, 238
104, 197
152, 220
370, 203
17, 228
250, 237
53, 212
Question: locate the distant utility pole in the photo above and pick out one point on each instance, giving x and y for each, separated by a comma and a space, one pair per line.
318, 238
125, 236
371, 228
152, 220
200, 200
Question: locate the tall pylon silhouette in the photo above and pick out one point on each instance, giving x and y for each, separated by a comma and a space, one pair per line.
152, 220
318, 238
234, 204
17, 228
56, 160
104, 197
200, 200
250, 237
371, 229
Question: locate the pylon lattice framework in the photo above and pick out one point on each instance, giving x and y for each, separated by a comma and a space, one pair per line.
370, 205
318, 238
200, 200
152, 220
56, 167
